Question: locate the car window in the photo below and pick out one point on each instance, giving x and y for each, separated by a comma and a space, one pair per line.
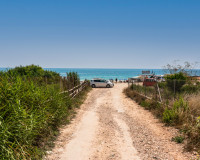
102, 81
96, 80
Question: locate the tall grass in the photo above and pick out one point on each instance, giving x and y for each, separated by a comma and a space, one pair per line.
182, 111
192, 123
28, 114
147, 91
73, 79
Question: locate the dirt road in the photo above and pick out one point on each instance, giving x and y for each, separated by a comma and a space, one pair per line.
110, 126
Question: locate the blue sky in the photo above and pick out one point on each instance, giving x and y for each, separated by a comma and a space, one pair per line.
99, 33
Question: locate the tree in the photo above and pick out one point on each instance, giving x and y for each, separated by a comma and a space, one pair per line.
187, 68
176, 81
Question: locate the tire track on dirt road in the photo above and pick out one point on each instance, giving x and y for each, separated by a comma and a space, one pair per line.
110, 126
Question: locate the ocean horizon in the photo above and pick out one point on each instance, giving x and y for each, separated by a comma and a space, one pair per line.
106, 73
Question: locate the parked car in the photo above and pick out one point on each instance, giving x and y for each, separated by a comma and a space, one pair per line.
149, 82
160, 78
101, 83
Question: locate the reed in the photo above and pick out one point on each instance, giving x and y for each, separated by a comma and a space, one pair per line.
182, 111
30, 112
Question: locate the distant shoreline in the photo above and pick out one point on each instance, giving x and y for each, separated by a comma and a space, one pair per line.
120, 74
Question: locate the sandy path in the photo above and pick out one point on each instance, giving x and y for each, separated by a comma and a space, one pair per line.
111, 126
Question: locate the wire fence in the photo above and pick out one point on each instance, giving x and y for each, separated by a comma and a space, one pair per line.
166, 91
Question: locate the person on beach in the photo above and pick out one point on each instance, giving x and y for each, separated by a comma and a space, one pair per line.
116, 80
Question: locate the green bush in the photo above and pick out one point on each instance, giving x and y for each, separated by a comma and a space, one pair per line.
73, 78
168, 116
33, 72
174, 115
162, 85
145, 104
28, 114
190, 89
178, 139
180, 105
176, 81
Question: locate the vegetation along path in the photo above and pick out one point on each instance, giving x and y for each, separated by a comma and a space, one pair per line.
111, 126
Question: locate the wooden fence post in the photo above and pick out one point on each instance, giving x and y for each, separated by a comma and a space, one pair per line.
64, 83
156, 93
159, 92
174, 88
46, 80
61, 84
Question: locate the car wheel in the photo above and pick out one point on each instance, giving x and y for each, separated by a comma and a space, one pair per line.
107, 86
93, 86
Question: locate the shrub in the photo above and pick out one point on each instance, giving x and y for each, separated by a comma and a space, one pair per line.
175, 81
180, 105
145, 104
190, 89
168, 116
175, 114
33, 73
162, 85
178, 139
28, 114
73, 78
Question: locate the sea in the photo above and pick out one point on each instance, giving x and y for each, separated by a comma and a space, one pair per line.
120, 74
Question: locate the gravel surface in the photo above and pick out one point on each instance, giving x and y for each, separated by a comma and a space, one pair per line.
110, 126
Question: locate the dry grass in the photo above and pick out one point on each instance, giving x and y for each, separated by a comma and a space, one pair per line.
194, 103
134, 95
185, 114
192, 122
149, 104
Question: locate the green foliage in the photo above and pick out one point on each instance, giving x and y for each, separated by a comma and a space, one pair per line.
31, 71
168, 116
32, 109
145, 104
177, 76
180, 104
183, 113
73, 78
28, 113
190, 88
150, 104
173, 115
162, 85
176, 81
143, 90
178, 139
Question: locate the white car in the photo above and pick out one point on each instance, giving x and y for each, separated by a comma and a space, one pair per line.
101, 83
